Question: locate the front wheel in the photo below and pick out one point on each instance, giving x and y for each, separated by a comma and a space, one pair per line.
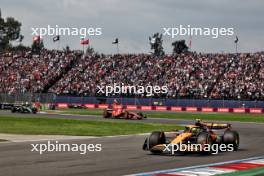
156, 138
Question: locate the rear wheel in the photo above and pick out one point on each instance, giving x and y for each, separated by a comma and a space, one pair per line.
231, 137
106, 114
156, 138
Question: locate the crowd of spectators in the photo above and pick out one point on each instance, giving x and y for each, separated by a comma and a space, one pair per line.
188, 75
24, 71
244, 79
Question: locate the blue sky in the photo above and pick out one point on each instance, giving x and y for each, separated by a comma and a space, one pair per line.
134, 21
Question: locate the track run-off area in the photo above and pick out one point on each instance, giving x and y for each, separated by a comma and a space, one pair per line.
120, 155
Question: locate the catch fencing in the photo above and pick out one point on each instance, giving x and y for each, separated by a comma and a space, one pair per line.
49, 98
27, 98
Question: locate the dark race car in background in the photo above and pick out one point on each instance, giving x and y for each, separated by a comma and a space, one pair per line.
24, 108
76, 106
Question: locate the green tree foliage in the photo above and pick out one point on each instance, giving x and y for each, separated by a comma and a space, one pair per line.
156, 44
9, 31
179, 47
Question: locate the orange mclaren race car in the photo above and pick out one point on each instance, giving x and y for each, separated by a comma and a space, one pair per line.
201, 137
119, 112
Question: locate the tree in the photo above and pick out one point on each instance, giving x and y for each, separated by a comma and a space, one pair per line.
9, 31
179, 47
20, 47
156, 44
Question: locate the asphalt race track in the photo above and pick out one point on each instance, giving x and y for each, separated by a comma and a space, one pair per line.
119, 156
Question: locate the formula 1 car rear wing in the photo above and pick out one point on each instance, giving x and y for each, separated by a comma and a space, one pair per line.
213, 126
218, 125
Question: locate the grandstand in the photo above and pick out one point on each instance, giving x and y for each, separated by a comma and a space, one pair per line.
188, 75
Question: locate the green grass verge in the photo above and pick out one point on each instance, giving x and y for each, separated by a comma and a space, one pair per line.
184, 115
35, 125
256, 172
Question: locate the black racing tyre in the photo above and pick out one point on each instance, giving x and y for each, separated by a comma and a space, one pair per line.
231, 137
107, 114
205, 138
156, 138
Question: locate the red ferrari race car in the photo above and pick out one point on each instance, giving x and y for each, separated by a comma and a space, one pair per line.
123, 114
120, 113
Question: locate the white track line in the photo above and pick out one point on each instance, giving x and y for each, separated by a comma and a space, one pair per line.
195, 167
168, 119
69, 138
